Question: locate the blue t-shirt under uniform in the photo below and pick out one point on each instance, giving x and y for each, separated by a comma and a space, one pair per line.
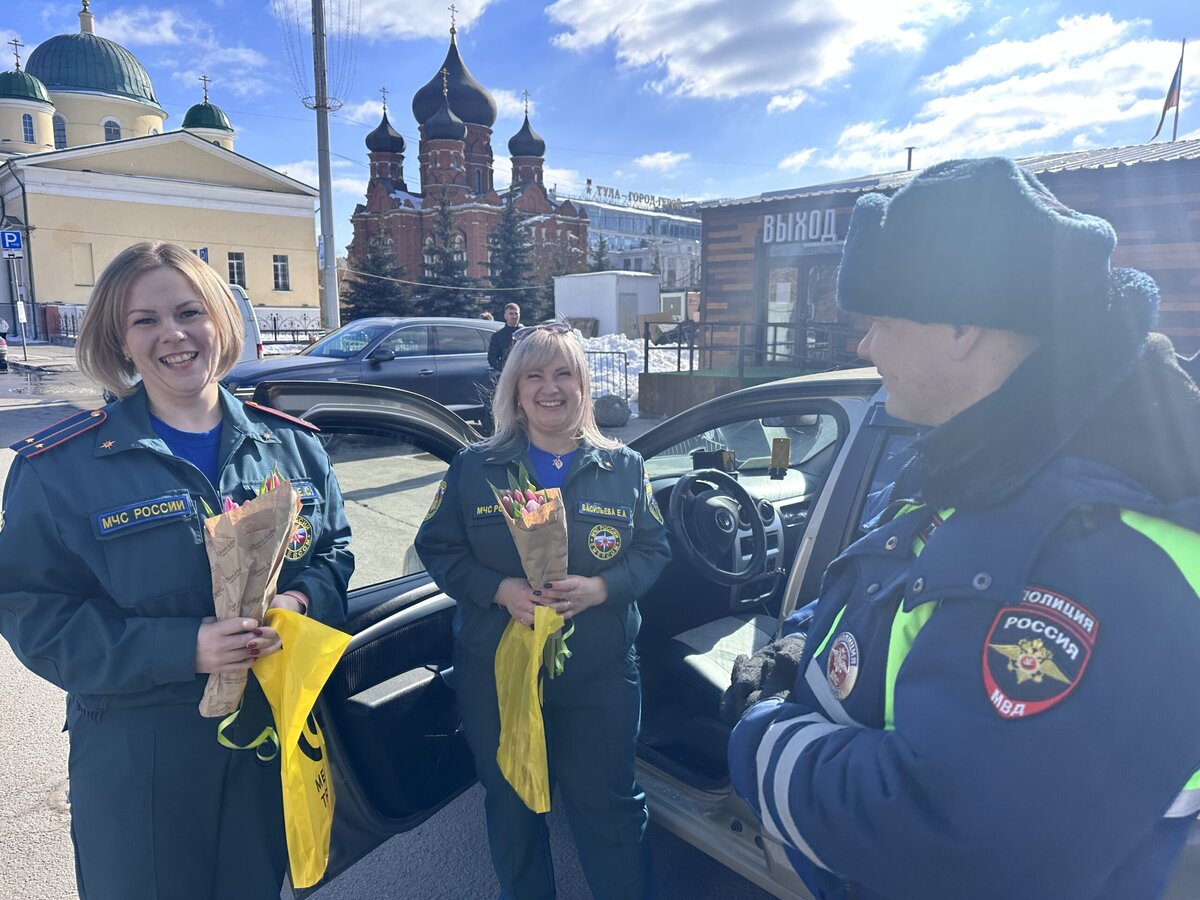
548, 476
201, 448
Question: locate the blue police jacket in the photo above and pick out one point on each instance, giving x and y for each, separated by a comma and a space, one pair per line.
105, 574
614, 529
994, 702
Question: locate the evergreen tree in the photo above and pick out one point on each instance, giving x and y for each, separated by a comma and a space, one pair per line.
510, 264
365, 295
600, 260
440, 293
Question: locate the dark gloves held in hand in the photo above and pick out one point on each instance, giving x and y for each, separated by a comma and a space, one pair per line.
771, 672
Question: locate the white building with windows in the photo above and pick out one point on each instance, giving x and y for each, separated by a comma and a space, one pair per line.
87, 168
665, 242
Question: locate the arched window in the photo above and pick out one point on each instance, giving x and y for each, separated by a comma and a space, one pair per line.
27, 128
429, 257
60, 133
460, 248
479, 181
112, 130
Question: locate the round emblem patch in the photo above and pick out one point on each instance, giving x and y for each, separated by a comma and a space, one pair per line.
604, 541
437, 502
841, 668
301, 541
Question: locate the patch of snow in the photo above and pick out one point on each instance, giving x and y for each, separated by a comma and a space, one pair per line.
608, 372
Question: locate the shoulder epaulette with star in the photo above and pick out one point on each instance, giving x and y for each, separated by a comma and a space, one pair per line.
275, 412
59, 433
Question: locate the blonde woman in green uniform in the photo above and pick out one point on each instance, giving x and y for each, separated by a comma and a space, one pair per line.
107, 592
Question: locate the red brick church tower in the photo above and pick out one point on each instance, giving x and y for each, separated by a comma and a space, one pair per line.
455, 115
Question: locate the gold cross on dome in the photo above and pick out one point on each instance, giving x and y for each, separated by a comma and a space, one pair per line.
525, 94
383, 92
207, 81
453, 12
17, 45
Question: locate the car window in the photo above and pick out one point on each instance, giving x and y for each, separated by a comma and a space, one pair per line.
750, 441
410, 341
347, 341
897, 451
459, 339
387, 485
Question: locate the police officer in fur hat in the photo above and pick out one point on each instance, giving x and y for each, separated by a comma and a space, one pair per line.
997, 690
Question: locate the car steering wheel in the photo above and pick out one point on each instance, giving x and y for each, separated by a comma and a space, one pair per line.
706, 506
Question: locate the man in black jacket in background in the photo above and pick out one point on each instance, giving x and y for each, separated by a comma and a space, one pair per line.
502, 339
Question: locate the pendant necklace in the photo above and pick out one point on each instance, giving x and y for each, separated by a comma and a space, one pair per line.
557, 462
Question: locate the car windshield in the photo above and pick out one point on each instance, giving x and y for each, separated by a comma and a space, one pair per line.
347, 341
750, 441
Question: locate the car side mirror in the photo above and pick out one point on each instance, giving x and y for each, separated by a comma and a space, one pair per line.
381, 354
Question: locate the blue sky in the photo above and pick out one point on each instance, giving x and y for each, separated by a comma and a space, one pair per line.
677, 98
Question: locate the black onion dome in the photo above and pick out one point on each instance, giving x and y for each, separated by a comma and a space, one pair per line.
526, 142
468, 98
385, 138
444, 125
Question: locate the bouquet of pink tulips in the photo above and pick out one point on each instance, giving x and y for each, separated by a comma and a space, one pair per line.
538, 524
245, 544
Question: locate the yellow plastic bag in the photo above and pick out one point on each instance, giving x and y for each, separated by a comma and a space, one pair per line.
522, 751
291, 680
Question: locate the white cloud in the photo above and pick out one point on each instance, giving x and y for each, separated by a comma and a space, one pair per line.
1078, 38
1071, 85
510, 104
235, 70
344, 179
663, 161
713, 48
388, 20
794, 162
146, 27
786, 103
368, 112
568, 180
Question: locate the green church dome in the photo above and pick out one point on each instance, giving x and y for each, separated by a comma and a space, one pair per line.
20, 85
88, 62
205, 115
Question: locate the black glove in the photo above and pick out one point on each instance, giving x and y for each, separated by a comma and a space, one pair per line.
771, 672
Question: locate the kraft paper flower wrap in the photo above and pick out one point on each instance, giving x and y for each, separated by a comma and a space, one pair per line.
538, 524
245, 546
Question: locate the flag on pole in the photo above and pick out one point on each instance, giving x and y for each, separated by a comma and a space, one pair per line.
1172, 101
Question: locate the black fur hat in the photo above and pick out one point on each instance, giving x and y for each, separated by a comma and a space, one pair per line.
977, 242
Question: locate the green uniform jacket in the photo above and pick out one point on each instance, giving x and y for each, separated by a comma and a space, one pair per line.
104, 573
614, 529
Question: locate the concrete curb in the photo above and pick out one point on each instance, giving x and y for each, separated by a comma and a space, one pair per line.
41, 367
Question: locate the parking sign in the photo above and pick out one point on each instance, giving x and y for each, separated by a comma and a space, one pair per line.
11, 246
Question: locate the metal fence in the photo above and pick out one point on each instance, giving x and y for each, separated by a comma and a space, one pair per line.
610, 372
796, 347
289, 329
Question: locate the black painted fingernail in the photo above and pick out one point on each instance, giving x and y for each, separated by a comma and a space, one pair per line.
548, 584
537, 593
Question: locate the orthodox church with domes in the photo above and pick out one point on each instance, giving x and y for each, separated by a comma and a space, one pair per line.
87, 168
455, 114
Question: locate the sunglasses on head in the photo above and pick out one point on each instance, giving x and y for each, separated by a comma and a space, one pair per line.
552, 327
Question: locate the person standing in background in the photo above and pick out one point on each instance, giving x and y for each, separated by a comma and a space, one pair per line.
502, 340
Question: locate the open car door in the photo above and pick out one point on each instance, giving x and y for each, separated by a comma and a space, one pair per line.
388, 711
